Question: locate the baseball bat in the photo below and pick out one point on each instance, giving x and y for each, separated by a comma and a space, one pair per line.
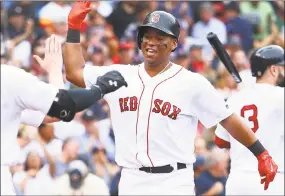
223, 56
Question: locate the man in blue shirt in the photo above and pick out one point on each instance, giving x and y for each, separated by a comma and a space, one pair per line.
212, 181
238, 26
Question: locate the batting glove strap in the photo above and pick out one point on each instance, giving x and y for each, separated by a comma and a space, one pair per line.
73, 36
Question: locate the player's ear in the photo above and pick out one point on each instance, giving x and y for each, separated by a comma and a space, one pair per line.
273, 70
174, 44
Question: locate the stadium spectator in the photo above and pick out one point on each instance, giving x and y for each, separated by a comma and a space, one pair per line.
47, 138
200, 146
198, 166
79, 181
180, 9
212, 181
123, 14
36, 173
47, 16
264, 13
184, 42
99, 56
70, 151
208, 23
19, 30
101, 166
91, 135
238, 26
125, 55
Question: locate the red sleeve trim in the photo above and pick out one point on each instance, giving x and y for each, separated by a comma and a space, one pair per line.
222, 143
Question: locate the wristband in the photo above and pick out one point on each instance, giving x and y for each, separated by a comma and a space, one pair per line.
256, 148
73, 36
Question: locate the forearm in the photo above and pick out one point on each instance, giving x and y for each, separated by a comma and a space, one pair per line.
242, 133
279, 41
20, 38
73, 58
50, 161
266, 41
216, 189
239, 130
69, 102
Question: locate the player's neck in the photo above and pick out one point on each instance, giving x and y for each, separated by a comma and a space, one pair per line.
270, 81
154, 70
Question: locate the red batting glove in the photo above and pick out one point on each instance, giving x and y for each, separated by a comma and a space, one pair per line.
77, 14
267, 168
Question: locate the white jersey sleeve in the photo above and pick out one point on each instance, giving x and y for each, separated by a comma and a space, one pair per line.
208, 105
31, 93
32, 118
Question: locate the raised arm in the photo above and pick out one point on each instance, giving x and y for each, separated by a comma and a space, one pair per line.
72, 54
59, 103
52, 64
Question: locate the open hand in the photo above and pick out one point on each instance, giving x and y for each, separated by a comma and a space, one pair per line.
53, 60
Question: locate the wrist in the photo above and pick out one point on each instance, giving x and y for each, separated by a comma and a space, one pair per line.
55, 74
73, 36
257, 148
101, 90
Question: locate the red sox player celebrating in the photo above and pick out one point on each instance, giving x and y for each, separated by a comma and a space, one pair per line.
155, 118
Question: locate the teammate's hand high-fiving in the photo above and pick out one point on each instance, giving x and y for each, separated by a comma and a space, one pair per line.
77, 14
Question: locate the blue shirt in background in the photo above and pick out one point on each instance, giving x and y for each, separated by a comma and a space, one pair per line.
241, 27
205, 181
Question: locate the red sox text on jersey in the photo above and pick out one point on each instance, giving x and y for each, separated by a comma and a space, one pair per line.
160, 106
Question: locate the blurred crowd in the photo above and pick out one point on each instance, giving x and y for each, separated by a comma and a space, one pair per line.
78, 157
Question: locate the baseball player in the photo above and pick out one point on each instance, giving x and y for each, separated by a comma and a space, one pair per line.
262, 108
155, 119
20, 90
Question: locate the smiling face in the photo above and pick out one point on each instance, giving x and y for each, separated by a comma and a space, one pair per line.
156, 46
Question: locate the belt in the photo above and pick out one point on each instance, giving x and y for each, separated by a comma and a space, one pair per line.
163, 169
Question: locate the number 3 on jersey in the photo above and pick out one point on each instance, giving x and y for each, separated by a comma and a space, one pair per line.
252, 111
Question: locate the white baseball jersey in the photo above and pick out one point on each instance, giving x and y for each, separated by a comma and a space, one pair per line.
262, 106
19, 91
155, 118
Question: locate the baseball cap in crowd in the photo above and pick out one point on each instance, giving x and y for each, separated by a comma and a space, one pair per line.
97, 49
200, 161
232, 6
15, 11
89, 115
77, 170
195, 46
